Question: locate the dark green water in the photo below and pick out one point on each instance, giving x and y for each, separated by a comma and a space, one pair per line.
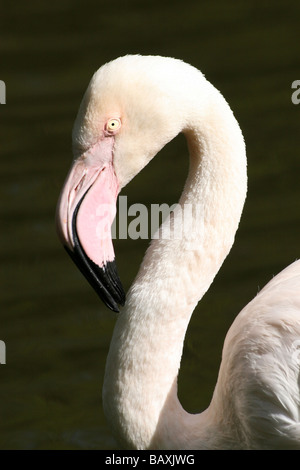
55, 329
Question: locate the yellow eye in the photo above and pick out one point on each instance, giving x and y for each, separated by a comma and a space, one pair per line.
113, 125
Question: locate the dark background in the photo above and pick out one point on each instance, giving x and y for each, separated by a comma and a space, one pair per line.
55, 329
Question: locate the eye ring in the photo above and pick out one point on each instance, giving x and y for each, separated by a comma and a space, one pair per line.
113, 125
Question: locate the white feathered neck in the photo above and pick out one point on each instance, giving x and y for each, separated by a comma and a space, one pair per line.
140, 389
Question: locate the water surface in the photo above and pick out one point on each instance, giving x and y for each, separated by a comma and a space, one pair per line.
56, 331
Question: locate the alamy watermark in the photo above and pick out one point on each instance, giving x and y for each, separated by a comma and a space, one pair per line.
296, 94
2, 92
2, 352
159, 221
137, 221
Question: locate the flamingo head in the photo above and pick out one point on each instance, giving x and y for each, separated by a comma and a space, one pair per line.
126, 116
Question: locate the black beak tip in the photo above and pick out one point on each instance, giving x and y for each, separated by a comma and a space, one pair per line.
104, 280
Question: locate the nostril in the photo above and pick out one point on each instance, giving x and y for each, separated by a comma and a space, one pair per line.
81, 181
79, 185
76, 189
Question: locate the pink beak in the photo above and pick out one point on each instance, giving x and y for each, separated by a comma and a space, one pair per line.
85, 213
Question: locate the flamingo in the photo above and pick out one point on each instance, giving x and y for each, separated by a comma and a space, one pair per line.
134, 106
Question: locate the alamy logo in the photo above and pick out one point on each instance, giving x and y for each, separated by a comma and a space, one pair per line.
296, 94
2, 92
160, 221
2, 352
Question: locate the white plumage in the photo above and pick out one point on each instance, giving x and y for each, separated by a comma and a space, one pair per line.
255, 404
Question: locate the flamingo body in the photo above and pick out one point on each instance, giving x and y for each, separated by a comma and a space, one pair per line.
132, 108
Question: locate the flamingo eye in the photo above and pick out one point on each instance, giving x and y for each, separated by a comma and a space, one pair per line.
113, 125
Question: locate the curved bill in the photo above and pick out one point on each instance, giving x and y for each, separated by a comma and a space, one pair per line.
85, 213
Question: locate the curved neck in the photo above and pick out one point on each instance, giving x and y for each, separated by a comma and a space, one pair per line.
140, 388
